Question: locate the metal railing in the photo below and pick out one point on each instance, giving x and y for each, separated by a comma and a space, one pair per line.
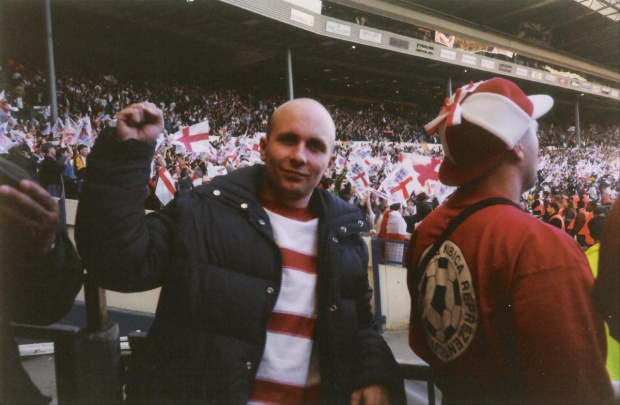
410, 371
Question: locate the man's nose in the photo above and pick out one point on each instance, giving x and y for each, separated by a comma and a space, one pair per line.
298, 153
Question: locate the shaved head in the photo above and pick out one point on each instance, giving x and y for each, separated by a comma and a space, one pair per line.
297, 151
311, 107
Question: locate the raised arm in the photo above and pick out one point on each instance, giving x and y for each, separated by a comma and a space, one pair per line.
124, 249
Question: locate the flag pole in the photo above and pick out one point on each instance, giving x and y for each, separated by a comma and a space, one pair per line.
50, 60
289, 73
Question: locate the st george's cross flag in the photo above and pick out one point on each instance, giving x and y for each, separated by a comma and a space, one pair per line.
426, 174
358, 175
399, 183
165, 186
194, 138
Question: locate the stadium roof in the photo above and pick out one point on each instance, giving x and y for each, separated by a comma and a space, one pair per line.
587, 29
231, 46
609, 9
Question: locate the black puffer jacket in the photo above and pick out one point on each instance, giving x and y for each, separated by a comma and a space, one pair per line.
212, 250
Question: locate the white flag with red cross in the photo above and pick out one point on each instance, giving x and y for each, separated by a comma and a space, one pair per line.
194, 138
400, 183
358, 175
426, 171
70, 135
229, 153
165, 186
373, 163
85, 132
58, 129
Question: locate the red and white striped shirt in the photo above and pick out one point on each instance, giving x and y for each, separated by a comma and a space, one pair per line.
288, 372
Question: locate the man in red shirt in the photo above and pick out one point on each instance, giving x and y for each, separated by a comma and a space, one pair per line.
498, 316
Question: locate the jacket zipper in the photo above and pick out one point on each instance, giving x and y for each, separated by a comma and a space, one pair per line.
279, 266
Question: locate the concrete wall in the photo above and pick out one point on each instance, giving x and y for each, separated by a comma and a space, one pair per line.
395, 300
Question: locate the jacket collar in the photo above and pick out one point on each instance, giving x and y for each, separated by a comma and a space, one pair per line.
243, 185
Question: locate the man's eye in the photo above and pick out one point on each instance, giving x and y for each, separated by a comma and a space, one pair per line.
316, 147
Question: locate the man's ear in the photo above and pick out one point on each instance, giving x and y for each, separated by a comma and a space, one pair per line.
330, 164
517, 153
263, 148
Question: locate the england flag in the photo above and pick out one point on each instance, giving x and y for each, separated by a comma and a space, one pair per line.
194, 138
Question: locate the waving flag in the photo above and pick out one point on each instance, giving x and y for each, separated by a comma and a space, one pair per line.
425, 167
194, 138
5, 107
442, 191
5, 143
399, 184
165, 186
18, 135
358, 175
211, 154
228, 153
58, 129
47, 130
213, 171
426, 175
373, 164
105, 117
85, 132
70, 135
340, 163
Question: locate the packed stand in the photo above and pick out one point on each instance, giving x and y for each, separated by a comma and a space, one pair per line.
382, 132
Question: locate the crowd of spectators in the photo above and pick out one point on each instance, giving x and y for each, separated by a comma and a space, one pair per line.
387, 127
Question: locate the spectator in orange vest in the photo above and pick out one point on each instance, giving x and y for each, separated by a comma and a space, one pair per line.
583, 236
555, 218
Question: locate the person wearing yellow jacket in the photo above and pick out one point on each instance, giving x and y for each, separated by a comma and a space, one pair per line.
595, 226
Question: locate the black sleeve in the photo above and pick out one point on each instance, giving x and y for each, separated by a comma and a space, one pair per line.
42, 291
122, 247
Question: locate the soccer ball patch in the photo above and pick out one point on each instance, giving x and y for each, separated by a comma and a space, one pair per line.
448, 303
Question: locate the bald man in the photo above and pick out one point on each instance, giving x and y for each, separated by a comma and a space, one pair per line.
265, 296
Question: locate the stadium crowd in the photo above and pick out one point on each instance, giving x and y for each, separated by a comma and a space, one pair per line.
235, 115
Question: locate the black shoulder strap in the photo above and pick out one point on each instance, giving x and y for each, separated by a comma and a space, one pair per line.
458, 220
